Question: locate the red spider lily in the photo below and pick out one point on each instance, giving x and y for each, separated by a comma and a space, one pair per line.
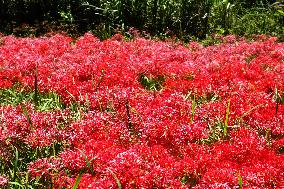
152, 114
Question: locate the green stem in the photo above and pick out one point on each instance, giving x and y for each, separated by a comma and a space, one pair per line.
36, 85
227, 118
26, 113
193, 108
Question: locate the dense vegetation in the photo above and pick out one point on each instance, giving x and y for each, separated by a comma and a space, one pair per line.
141, 113
133, 111
186, 19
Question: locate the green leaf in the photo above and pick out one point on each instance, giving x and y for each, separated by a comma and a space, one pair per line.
193, 108
27, 115
240, 181
225, 129
76, 184
281, 12
17, 184
86, 158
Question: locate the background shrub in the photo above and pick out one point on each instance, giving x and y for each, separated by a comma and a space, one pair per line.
183, 18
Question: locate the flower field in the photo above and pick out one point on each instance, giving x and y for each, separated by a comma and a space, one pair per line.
141, 113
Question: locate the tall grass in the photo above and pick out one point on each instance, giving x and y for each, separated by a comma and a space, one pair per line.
183, 18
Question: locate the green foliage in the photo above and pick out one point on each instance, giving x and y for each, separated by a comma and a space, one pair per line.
258, 21
278, 96
279, 99
217, 132
243, 18
190, 179
47, 102
66, 16
152, 83
50, 101
18, 95
240, 181
198, 100
193, 108
19, 155
225, 127
88, 166
27, 115
223, 16
14, 97
186, 19
78, 179
218, 129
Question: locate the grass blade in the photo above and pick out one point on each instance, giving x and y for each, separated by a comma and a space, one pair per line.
268, 134
25, 111
225, 129
129, 121
17, 184
240, 181
193, 107
36, 85
76, 184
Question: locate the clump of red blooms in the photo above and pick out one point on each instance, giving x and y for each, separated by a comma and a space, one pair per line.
3, 181
139, 138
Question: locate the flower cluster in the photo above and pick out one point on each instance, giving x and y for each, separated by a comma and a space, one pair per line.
152, 114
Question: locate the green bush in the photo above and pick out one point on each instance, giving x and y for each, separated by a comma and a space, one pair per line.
186, 19
258, 21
